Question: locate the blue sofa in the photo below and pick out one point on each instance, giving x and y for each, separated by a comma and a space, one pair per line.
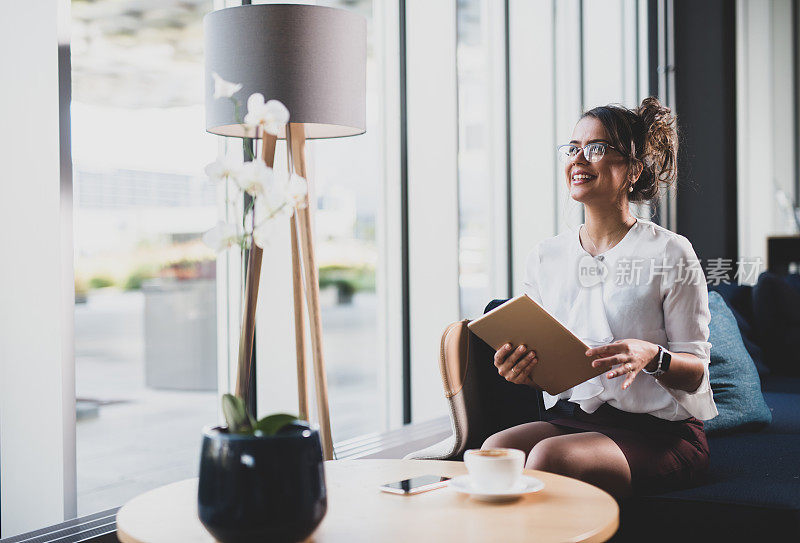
752, 488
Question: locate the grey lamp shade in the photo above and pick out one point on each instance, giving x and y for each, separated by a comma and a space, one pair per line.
311, 58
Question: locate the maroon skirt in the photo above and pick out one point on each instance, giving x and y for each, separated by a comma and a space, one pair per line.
662, 455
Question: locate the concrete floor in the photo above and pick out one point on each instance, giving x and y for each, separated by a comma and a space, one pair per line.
140, 438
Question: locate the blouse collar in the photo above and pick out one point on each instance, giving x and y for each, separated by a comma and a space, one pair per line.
605, 253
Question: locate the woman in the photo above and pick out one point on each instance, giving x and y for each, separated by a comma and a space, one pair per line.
638, 298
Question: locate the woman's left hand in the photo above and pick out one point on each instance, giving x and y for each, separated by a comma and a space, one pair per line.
629, 355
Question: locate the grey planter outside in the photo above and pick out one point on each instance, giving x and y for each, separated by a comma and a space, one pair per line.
180, 334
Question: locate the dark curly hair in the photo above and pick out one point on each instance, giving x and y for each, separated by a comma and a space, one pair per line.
647, 135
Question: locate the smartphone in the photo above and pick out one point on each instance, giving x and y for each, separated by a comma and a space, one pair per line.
415, 485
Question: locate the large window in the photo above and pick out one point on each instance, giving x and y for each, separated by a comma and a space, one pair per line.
146, 324
349, 173
145, 312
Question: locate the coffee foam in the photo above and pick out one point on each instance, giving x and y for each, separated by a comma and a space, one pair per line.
491, 452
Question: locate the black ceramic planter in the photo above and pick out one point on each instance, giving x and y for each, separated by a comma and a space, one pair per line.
261, 488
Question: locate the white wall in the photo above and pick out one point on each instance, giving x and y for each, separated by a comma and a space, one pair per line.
388, 281
603, 51
764, 107
432, 192
493, 20
782, 98
568, 101
35, 353
533, 140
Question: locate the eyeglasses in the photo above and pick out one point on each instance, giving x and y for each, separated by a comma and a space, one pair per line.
592, 151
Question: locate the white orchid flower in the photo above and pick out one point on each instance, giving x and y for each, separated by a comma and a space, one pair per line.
255, 177
271, 116
296, 190
224, 89
271, 204
225, 167
222, 236
262, 232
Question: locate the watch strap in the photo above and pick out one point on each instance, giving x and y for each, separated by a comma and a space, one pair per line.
661, 368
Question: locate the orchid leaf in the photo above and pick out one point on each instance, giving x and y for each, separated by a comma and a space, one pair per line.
269, 426
238, 419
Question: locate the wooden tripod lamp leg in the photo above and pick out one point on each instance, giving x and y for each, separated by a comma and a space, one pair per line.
251, 295
297, 136
299, 320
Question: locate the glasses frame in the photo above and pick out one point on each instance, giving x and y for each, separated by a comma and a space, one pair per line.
604, 145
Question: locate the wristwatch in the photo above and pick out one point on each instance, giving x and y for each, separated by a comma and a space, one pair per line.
664, 358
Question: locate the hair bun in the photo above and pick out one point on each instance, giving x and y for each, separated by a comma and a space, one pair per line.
660, 152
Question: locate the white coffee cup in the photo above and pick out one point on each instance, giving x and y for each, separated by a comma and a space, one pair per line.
494, 470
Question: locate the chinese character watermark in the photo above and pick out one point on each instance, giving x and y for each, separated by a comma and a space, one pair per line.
646, 271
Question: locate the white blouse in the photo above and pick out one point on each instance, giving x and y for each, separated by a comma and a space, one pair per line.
649, 286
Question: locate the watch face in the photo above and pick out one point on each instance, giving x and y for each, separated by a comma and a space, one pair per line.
665, 361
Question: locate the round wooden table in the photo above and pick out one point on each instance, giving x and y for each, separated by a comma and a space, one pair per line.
565, 510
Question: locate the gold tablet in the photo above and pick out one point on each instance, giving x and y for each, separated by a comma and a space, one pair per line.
521, 321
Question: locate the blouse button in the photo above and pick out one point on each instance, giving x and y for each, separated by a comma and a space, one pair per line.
600, 258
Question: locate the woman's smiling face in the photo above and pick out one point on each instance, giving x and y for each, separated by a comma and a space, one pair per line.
602, 181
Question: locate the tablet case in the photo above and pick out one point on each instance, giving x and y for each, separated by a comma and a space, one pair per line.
521, 321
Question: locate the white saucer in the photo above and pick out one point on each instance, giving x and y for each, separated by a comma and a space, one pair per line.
527, 485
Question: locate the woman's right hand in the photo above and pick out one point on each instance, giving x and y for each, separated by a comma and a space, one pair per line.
515, 365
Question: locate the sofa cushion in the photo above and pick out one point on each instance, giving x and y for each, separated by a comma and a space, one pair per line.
740, 301
734, 380
776, 307
751, 492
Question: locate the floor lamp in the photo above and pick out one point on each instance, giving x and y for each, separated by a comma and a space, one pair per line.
313, 59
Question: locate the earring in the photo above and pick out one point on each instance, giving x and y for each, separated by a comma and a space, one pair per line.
630, 189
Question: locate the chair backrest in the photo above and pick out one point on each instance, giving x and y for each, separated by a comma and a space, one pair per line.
481, 401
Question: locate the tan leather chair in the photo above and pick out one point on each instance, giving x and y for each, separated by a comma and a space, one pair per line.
481, 401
